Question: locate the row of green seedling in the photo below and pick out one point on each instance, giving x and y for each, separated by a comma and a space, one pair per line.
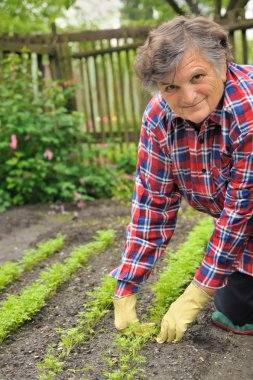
17, 309
11, 270
179, 270
100, 302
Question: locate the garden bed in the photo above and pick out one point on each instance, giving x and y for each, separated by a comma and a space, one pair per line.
206, 353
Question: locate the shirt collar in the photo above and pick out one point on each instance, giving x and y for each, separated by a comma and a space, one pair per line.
216, 115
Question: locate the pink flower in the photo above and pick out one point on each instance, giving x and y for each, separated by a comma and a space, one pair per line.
105, 119
14, 142
48, 154
78, 195
89, 125
102, 145
81, 204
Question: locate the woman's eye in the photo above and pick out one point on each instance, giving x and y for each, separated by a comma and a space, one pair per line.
170, 88
197, 77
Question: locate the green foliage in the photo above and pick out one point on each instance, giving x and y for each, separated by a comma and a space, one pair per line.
99, 304
129, 343
5, 200
10, 271
99, 181
43, 250
145, 12
121, 161
30, 15
50, 366
180, 268
125, 160
152, 12
17, 309
42, 150
137, 11
124, 187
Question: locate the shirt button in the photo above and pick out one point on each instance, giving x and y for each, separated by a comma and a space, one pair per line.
201, 140
203, 171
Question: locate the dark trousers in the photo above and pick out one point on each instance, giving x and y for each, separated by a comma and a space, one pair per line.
235, 300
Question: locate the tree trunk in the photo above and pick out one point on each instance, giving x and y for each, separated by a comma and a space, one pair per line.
175, 7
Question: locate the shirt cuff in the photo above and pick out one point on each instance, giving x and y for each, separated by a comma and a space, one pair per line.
209, 279
124, 289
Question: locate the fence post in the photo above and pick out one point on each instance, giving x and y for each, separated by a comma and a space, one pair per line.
61, 64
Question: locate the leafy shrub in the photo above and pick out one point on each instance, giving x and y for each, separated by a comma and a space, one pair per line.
126, 160
100, 181
5, 200
41, 146
120, 160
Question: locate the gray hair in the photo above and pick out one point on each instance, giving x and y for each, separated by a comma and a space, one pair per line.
166, 45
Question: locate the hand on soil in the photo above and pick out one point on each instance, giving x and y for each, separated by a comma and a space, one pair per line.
181, 313
124, 311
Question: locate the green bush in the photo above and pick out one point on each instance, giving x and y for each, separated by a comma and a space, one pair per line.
124, 160
42, 144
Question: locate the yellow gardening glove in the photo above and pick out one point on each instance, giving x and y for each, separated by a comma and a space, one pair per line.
124, 311
181, 313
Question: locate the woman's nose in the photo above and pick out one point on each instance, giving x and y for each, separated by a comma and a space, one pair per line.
188, 95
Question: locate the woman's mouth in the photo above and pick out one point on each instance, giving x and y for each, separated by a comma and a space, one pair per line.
194, 105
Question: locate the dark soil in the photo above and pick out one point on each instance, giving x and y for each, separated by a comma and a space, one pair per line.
206, 352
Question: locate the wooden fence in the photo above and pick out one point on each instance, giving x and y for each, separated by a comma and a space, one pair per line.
101, 63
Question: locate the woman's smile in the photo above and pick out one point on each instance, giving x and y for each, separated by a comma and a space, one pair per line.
193, 105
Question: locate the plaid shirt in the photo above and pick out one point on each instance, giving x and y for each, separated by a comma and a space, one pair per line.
212, 168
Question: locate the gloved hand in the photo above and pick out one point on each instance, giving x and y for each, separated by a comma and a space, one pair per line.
181, 313
124, 311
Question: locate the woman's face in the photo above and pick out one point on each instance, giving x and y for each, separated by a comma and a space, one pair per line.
194, 90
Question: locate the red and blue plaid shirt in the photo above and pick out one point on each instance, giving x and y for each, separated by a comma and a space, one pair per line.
212, 168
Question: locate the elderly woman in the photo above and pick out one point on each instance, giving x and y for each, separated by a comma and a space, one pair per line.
196, 142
